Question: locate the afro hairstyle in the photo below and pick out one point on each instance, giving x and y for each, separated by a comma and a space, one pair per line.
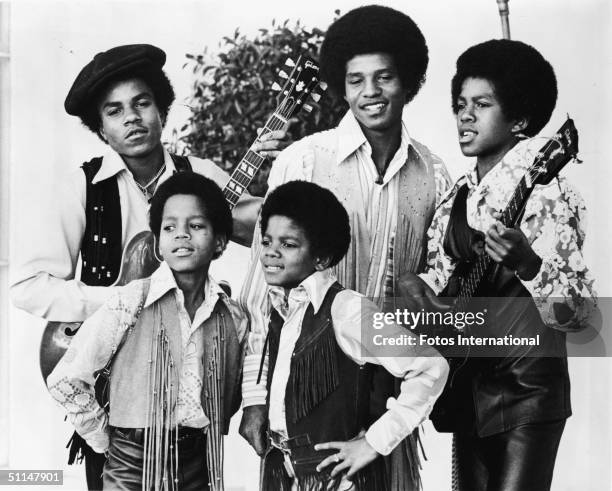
156, 80
317, 211
375, 29
524, 82
213, 202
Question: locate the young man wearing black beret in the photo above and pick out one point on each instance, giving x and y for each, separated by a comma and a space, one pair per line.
123, 96
374, 58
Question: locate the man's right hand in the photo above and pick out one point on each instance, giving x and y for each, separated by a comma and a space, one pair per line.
253, 427
417, 294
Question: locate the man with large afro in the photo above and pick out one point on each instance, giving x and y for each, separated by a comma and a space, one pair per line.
508, 411
375, 58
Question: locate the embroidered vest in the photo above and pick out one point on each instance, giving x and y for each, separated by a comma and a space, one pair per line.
415, 209
101, 247
327, 394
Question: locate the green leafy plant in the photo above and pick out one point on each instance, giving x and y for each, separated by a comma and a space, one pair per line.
232, 95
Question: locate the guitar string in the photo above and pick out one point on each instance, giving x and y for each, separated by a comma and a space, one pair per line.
472, 281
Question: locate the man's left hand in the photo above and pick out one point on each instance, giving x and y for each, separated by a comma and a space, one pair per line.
510, 247
271, 144
353, 456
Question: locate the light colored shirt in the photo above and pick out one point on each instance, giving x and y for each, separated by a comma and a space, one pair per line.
381, 216
43, 279
422, 371
553, 223
72, 382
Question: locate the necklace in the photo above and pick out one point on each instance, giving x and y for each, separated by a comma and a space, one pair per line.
145, 189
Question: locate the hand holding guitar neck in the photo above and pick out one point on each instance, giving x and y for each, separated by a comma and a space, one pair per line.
549, 161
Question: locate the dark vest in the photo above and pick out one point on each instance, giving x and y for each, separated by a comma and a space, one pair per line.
101, 247
493, 395
327, 394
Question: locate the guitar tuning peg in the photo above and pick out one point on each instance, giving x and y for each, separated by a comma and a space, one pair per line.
323, 85
283, 74
290, 62
276, 87
316, 97
307, 107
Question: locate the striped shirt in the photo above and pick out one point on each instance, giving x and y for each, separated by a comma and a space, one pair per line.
380, 204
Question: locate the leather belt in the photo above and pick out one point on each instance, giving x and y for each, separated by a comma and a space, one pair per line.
137, 435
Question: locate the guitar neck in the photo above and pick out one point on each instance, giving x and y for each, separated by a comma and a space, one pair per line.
247, 168
483, 264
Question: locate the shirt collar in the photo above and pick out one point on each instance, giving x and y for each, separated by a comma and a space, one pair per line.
113, 164
520, 157
313, 290
162, 281
351, 137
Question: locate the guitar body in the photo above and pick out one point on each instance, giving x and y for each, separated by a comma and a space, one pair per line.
139, 259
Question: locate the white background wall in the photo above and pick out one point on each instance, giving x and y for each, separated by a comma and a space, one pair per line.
51, 41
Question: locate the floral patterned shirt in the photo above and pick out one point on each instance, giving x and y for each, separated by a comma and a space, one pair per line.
554, 223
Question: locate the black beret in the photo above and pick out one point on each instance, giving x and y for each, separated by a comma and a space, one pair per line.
107, 65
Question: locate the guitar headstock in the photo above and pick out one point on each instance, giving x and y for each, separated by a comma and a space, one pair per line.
301, 84
553, 156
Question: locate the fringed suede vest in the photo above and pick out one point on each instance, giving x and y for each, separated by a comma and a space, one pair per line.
130, 368
327, 396
145, 372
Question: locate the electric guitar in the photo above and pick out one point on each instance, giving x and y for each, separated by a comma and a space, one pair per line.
138, 259
472, 278
549, 161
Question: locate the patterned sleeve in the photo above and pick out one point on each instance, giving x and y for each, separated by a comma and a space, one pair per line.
554, 224
72, 381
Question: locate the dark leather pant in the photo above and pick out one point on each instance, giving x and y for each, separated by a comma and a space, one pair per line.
123, 469
94, 464
521, 459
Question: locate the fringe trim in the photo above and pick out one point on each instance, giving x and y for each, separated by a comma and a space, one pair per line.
406, 464
274, 477
214, 408
315, 375
160, 462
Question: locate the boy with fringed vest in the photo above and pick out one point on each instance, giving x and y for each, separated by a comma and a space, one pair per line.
174, 346
321, 433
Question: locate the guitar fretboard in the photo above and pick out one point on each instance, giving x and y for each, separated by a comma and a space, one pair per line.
245, 171
471, 282
509, 218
